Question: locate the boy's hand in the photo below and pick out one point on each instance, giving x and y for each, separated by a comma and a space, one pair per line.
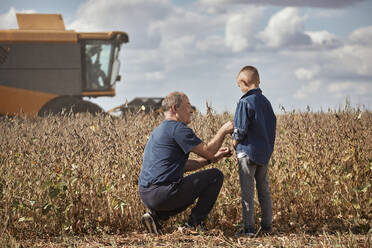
235, 143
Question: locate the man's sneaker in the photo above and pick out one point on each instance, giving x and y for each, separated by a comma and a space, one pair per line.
201, 227
151, 224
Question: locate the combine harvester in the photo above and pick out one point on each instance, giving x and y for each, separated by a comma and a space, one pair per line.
45, 69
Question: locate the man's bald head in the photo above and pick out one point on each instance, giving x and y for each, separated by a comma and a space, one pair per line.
172, 99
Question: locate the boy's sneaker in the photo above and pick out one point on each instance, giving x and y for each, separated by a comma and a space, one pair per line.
245, 233
151, 223
264, 232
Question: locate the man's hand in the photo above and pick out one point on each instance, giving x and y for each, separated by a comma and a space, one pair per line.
195, 164
223, 152
227, 128
217, 140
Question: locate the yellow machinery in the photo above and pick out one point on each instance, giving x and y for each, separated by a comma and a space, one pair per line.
45, 69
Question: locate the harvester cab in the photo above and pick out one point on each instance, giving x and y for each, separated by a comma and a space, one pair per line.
46, 69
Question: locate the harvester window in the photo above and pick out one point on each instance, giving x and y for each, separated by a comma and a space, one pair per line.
115, 67
98, 64
4, 52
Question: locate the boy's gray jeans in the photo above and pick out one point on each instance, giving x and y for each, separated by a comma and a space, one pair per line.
249, 172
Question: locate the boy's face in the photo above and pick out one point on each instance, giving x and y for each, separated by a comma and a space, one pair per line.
242, 82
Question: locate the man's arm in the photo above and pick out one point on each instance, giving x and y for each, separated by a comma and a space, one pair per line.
211, 152
208, 151
215, 143
203, 151
195, 164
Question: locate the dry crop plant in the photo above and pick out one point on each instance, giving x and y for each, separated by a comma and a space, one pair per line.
79, 174
321, 171
71, 174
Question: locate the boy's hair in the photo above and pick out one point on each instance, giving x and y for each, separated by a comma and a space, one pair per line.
255, 77
172, 99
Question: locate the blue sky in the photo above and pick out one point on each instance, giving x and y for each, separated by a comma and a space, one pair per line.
309, 53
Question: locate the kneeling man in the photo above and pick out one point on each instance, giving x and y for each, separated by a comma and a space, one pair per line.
162, 186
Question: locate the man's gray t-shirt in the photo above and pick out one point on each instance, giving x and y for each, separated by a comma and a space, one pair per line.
166, 153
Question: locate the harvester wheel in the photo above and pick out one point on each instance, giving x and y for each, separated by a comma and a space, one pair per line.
69, 104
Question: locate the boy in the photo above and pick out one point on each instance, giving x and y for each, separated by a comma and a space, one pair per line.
253, 140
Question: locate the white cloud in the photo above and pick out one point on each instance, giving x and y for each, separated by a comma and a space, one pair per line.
353, 59
356, 55
178, 48
297, 3
132, 16
362, 36
180, 22
188, 36
9, 19
240, 29
307, 90
213, 44
349, 59
328, 13
324, 39
307, 74
343, 89
285, 28
156, 75
329, 70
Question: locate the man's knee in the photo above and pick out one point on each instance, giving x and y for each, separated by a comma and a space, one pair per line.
217, 175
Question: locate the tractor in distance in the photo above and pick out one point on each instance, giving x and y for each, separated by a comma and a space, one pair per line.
45, 69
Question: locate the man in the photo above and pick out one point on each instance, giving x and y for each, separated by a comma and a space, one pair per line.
162, 187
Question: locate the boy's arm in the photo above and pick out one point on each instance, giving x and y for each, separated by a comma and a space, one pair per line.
242, 117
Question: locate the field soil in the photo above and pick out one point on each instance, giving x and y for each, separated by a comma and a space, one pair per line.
216, 239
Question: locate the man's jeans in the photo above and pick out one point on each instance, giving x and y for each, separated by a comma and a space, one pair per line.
170, 199
249, 172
